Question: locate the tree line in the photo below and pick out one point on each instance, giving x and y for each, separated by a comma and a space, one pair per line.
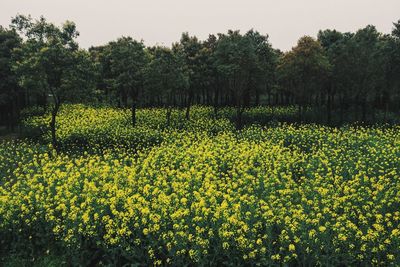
336, 74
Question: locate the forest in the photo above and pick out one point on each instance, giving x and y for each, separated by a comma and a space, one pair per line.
216, 152
342, 77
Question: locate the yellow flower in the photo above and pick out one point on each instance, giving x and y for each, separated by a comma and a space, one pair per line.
390, 257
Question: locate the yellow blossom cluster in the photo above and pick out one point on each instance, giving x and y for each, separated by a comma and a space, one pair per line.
98, 127
304, 195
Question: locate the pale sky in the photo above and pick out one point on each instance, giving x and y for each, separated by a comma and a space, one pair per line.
163, 21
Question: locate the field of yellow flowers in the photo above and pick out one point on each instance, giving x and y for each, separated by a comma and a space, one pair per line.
200, 192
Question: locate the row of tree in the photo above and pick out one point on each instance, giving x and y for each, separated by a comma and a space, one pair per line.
337, 72
228, 69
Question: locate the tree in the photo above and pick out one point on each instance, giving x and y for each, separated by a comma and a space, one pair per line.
209, 71
128, 60
166, 75
305, 66
262, 78
101, 58
394, 70
51, 62
396, 30
339, 79
235, 60
190, 50
10, 93
366, 72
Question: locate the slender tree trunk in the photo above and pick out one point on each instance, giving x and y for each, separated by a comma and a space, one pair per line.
329, 110
133, 110
386, 103
299, 112
54, 112
14, 113
239, 113
257, 98
329, 99
27, 98
41, 100
3, 117
364, 109
386, 111
124, 99
341, 99
168, 116
8, 118
216, 96
187, 114
188, 104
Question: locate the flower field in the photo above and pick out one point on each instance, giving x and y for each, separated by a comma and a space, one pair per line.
201, 192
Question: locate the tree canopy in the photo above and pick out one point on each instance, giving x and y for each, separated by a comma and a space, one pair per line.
347, 76
50, 63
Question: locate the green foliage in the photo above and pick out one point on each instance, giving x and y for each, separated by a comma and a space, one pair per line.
346, 75
166, 74
9, 89
236, 59
306, 65
9, 40
50, 61
51, 64
127, 62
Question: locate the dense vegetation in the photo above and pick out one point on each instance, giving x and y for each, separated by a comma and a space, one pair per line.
217, 152
345, 76
199, 191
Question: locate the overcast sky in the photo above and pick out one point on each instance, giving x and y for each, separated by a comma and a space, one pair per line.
163, 21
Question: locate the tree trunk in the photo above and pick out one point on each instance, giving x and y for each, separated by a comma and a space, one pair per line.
341, 99
168, 116
41, 99
124, 99
386, 111
133, 109
187, 114
299, 112
53, 125
364, 109
246, 98
216, 96
188, 104
14, 113
329, 110
239, 113
386, 104
257, 98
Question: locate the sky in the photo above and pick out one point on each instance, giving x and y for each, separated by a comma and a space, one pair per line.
162, 21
